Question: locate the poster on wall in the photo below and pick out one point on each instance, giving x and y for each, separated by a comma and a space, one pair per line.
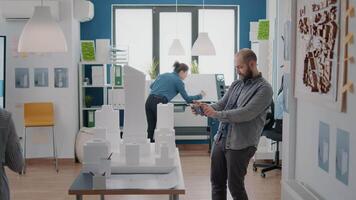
22, 79
324, 144
60, 77
342, 156
286, 40
41, 77
317, 50
286, 92
2, 71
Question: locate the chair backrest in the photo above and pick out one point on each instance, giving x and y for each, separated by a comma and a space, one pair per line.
269, 117
43, 110
278, 126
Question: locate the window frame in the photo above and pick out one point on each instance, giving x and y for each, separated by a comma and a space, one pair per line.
193, 9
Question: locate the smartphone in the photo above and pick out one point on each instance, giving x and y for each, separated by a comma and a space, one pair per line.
198, 110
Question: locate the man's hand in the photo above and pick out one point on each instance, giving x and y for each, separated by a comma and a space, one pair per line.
208, 110
192, 106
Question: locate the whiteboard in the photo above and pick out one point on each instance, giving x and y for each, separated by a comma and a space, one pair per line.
195, 83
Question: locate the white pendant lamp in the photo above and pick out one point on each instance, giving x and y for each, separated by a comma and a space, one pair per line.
42, 34
203, 45
176, 48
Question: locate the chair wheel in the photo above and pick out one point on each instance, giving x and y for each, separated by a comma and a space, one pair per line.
263, 175
255, 169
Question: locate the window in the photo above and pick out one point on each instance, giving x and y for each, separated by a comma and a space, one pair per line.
220, 25
134, 28
167, 27
150, 30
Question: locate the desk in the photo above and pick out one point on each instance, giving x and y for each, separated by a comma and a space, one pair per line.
82, 185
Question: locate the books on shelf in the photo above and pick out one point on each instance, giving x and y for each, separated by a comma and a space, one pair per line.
117, 75
91, 118
97, 75
116, 97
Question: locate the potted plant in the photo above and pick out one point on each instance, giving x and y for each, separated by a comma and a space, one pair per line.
153, 71
88, 100
195, 67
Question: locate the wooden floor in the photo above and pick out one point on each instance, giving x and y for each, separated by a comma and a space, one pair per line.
41, 182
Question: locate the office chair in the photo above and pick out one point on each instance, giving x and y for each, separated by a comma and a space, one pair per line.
275, 134
39, 115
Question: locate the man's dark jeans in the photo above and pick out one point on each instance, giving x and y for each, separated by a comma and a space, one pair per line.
229, 167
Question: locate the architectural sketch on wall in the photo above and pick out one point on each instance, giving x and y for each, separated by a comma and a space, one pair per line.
318, 49
22, 79
41, 77
60, 77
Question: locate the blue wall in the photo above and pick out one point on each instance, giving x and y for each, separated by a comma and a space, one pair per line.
100, 25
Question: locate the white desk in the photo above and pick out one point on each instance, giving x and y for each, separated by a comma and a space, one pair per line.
134, 184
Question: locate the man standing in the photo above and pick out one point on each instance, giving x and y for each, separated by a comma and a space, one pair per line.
242, 114
10, 152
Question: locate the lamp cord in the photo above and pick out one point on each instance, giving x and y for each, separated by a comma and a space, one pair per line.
203, 20
176, 19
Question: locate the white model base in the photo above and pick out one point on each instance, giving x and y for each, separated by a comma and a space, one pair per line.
147, 164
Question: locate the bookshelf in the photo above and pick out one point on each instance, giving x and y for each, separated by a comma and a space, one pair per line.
103, 84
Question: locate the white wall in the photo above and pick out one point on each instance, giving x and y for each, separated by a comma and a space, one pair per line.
308, 114
64, 99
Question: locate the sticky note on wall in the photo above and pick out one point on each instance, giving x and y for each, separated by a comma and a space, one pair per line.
263, 30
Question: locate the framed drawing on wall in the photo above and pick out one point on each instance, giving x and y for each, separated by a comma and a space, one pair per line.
317, 48
41, 77
60, 77
22, 78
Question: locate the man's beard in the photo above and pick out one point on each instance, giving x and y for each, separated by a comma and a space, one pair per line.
247, 76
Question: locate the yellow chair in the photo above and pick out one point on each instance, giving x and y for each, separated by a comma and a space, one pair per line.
40, 115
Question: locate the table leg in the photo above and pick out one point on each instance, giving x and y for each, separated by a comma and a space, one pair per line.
174, 197
102, 197
79, 197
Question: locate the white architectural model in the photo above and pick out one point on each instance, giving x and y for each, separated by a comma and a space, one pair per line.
135, 153
164, 133
107, 118
94, 152
135, 126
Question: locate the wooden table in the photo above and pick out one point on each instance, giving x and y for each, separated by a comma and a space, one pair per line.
82, 185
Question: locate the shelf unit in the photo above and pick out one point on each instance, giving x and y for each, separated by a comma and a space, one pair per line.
112, 78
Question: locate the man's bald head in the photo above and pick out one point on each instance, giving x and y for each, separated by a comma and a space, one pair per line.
246, 55
246, 63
